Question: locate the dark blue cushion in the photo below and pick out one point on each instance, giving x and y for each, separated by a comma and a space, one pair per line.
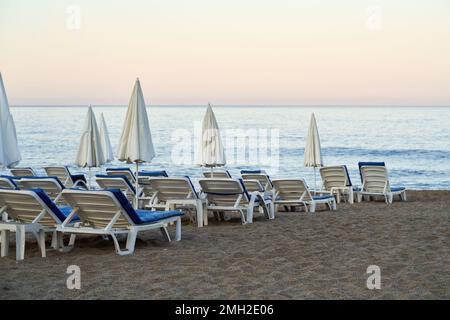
146, 216
123, 177
160, 173
50, 204
258, 171
120, 169
322, 197
135, 217
368, 164
66, 211
349, 183
396, 189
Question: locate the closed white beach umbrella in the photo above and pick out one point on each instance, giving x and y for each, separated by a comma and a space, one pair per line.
136, 143
211, 152
313, 152
104, 140
90, 153
9, 149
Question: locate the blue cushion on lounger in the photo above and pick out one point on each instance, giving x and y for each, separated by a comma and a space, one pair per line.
160, 173
134, 215
252, 171
349, 184
322, 197
397, 189
66, 211
105, 176
120, 169
146, 216
51, 205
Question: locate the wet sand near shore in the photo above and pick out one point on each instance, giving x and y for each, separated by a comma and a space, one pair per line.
297, 256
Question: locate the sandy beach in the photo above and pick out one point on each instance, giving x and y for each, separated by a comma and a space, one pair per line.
297, 256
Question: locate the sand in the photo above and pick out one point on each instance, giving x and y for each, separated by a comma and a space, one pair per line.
297, 256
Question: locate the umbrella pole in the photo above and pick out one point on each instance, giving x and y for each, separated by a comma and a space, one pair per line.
315, 182
89, 178
136, 202
212, 172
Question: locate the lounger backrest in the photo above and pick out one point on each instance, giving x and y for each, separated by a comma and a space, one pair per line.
224, 192
7, 183
51, 185
22, 172
261, 177
117, 182
369, 164
144, 181
173, 188
97, 208
253, 185
26, 205
121, 172
220, 174
61, 173
375, 179
291, 189
334, 177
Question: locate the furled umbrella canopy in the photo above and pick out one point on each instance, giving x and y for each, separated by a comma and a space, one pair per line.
313, 152
90, 153
9, 149
211, 152
104, 140
136, 143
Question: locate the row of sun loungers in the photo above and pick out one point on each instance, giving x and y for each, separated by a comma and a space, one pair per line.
59, 203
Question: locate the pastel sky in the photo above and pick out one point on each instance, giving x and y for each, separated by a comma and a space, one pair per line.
377, 52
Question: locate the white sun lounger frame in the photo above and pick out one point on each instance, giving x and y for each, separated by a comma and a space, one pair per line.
171, 192
224, 194
295, 192
376, 183
106, 216
335, 182
27, 213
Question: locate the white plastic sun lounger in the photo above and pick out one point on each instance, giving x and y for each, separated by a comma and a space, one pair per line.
231, 195
34, 212
255, 186
69, 180
295, 192
144, 182
108, 212
376, 183
122, 172
174, 192
221, 174
8, 182
22, 172
51, 185
261, 176
336, 181
117, 182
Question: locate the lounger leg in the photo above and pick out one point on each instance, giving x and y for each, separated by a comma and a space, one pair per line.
250, 214
178, 230
242, 217
199, 208
5, 243
312, 207
165, 233
351, 196
403, 196
272, 210
131, 241
54, 244
338, 196
20, 242
333, 205
205, 214
41, 242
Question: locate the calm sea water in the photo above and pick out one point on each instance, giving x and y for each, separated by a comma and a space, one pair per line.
414, 142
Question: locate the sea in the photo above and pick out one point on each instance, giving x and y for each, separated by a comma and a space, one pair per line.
414, 142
